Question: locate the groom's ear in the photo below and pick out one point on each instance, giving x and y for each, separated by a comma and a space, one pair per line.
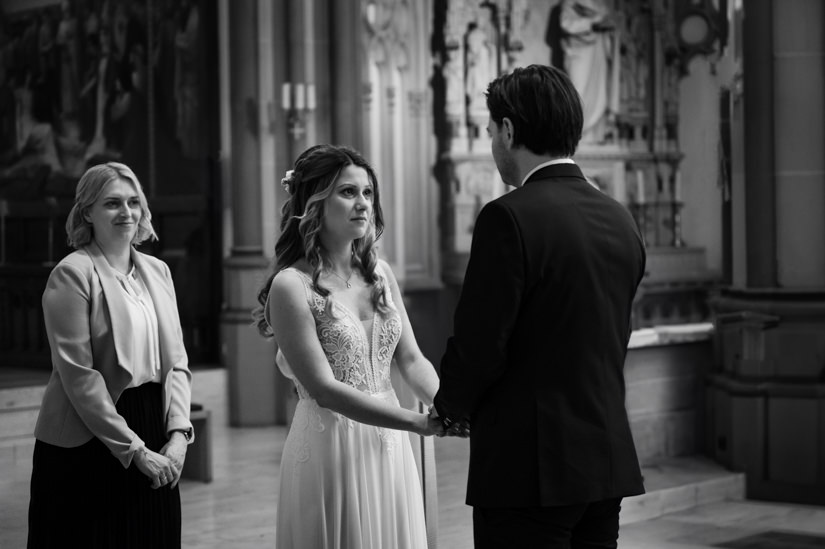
508, 132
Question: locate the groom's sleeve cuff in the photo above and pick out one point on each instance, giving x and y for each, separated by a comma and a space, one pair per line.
442, 412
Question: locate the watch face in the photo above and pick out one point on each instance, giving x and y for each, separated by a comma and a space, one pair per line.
694, 29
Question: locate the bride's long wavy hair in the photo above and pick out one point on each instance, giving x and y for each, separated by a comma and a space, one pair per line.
311, 182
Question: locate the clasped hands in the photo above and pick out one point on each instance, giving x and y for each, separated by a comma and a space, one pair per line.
460, 428
163, 467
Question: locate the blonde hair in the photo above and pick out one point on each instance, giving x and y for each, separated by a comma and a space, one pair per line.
79, 230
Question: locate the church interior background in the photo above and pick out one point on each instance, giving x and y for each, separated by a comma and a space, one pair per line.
704, 117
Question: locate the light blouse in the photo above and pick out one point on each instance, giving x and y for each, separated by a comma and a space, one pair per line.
145, 347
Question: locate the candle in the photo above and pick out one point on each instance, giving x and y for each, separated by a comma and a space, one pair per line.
310, 97
299, 97
640, 187
286, 103
677, 187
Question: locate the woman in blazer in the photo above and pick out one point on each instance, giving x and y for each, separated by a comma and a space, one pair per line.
114, 423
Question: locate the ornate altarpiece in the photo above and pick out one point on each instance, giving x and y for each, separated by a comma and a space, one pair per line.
396, 100
625, 58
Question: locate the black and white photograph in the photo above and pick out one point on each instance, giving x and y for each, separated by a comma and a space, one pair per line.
412, 274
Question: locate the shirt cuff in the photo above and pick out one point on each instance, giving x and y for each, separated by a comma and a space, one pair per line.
137, 444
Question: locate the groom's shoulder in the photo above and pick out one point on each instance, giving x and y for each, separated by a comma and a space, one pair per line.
522, 199
501, 206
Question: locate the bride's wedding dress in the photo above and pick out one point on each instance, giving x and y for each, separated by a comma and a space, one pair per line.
345, 484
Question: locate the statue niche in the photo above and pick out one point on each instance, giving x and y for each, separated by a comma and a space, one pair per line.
588, 41
623, 57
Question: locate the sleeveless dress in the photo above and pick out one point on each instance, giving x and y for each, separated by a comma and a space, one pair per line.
344, 484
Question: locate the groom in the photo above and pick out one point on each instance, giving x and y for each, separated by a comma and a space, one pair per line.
535, 364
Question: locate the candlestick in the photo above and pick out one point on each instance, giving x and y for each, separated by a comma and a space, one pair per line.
310, 97
677, 226
677, 187
640, 187
640, 213
286, 102
299, 97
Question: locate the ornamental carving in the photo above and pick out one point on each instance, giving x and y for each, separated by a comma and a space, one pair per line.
387, 25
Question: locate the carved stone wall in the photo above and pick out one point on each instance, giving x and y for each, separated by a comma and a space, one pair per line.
399, 134
624, 56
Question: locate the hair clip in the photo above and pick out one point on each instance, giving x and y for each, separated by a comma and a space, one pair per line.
286, 181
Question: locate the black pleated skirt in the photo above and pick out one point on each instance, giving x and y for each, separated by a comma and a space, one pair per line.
83, 497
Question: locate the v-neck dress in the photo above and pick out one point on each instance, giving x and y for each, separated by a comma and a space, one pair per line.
345, 484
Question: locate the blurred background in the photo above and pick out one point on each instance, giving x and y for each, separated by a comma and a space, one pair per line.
704, 117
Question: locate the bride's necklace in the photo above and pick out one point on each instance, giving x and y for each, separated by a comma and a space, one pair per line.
346, 280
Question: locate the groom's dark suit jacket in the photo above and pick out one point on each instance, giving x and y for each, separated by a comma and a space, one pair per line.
541, 330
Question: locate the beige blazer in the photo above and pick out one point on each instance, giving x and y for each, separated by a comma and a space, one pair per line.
89, 331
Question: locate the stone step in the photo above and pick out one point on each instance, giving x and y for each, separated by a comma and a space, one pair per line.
19, 407
12, 398
676, 484
672, 484
15, 453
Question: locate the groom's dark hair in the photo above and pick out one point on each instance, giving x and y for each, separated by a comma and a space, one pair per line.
544, 107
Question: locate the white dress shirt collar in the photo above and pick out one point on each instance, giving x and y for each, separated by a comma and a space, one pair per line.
544, 165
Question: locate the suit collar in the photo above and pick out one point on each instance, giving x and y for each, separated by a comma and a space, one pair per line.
119, 316
165, 309
555, 170
545, 164
162, 299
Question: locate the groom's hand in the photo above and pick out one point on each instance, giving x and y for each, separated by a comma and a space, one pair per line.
451, 428
459, 429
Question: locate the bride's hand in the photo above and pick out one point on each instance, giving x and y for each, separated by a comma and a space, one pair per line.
430, 425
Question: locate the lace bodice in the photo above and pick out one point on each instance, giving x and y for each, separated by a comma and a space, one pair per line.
359, 352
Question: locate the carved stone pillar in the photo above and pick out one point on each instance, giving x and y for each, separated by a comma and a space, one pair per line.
784, 191
759, 141
249, 359
768, 394
347, 76
799, 76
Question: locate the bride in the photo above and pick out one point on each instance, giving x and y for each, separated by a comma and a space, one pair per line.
348, 476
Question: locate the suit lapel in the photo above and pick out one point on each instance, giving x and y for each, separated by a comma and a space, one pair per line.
119, 316
165, 309
167, 314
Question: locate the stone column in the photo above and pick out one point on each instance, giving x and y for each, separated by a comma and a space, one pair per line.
758, 75
799, 141
768, 394
249, 359
347, 79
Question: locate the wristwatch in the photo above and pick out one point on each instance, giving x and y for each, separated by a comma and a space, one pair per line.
187, 434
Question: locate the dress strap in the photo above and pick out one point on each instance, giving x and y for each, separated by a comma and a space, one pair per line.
305, 278
379, 269
307, 291
315, 300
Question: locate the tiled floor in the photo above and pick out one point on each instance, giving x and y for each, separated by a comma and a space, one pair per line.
672, 485
730, 524
237, 509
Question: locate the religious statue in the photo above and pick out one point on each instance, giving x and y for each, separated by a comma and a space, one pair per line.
480, 69
586, 39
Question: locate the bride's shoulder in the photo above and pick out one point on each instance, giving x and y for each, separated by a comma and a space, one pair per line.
383, 269
289, 300
290, 280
